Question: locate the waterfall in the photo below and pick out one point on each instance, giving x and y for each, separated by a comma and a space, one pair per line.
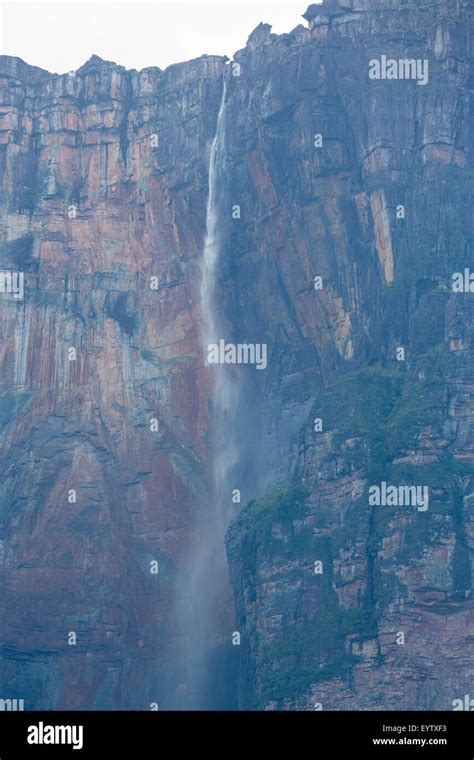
210, 257
209, 612
224, 387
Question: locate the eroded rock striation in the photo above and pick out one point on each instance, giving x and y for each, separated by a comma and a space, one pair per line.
353, 215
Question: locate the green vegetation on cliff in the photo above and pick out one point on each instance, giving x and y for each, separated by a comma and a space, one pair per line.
374, 415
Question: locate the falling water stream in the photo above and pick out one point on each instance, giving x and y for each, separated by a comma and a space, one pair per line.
224, 386
209, 612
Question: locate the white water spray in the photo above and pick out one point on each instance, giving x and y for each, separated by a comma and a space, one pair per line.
211, 252
209, 613
225, 390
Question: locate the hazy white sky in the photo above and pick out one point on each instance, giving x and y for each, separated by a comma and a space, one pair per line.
61, 36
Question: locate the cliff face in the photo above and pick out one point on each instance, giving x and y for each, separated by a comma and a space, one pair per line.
106, 404
343, 602
104, 186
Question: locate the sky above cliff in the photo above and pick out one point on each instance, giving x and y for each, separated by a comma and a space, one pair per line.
61, 36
